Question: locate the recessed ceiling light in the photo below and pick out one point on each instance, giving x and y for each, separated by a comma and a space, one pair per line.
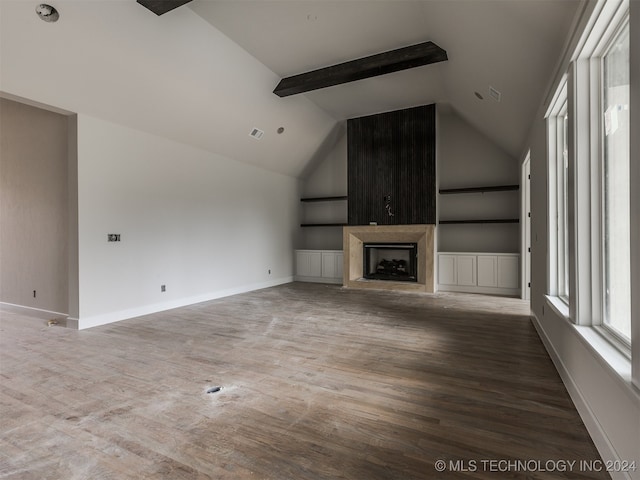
477, 94
47, 13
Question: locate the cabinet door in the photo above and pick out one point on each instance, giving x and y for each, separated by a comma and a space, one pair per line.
447, 270
487, 271
508, 272
339, 264
308, 264
466, 269
328, 264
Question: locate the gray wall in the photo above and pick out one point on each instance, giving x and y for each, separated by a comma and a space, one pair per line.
466, 158
328, 179
34, 207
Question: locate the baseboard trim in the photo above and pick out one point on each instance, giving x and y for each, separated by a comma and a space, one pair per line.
337, 281
33, 312
511, 292
597, 433
111, 317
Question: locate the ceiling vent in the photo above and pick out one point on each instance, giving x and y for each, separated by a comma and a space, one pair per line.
495, 94
256, 133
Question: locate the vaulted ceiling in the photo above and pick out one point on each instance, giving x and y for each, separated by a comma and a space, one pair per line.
204, 73
510, 45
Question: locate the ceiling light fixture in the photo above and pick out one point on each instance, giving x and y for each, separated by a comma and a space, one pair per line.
47, 13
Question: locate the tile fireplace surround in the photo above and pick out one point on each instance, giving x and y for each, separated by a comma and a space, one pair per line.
354, 237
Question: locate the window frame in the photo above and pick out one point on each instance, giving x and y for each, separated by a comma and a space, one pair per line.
585, 96
558, 182
606, 43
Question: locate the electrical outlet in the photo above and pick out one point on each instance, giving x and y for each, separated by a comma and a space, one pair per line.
113, 237
163, 288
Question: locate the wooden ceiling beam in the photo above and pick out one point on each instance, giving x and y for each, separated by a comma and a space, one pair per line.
366, 67
160, 7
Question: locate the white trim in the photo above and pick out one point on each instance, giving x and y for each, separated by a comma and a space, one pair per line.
597, 433
337, 281
605, 17
634, 176
97, 320
610, 357
511, 292
555, 186
525, 229
32, 311
558, 306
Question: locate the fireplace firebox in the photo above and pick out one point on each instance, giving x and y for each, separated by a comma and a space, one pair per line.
390, 261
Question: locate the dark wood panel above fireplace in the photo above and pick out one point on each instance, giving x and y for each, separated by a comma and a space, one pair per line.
392, 168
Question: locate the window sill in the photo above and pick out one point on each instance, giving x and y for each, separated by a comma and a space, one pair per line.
559, 307
611, 356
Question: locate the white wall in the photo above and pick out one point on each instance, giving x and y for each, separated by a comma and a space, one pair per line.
607, 404
601, 390
175, 76
203, 225
466, 158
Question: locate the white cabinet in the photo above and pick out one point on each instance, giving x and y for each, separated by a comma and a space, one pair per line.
496, 273
508, 274
466, 269
447, 273
456, 269
487, 271
322, 266
308, 263
332, 264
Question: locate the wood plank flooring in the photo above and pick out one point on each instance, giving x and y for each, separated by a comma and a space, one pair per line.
318, 382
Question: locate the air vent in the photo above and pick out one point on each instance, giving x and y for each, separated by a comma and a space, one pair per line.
256, 133
495, 94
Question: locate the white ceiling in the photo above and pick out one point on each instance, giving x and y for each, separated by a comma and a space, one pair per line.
203, 74
511, 45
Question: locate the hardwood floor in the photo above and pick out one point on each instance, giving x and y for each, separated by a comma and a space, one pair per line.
318, 382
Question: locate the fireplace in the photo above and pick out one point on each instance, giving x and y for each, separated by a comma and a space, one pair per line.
390, 261
354, 238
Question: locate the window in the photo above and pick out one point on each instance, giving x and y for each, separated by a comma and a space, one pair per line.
558, 127
563, 212
615, 184
593, 223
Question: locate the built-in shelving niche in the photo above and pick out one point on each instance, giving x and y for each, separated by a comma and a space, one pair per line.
324, 199
482, 189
